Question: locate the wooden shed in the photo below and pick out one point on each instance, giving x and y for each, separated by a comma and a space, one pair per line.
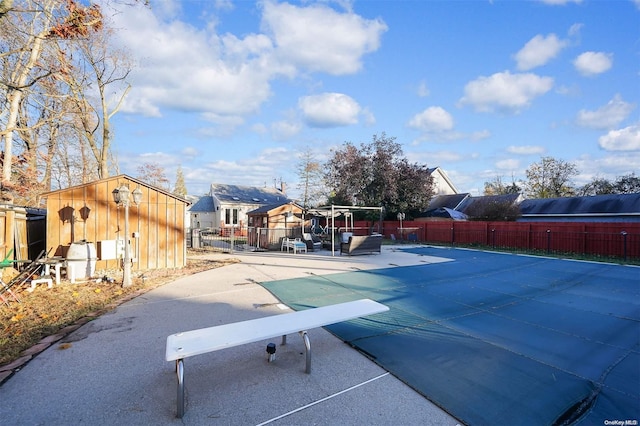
89, 213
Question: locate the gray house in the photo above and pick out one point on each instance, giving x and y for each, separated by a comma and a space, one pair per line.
227, 205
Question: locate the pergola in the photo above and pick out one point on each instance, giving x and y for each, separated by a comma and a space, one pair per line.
333, 211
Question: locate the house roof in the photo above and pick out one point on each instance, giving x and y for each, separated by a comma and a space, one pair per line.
444, 176
237, 194
445, 212
466, 204
269, 207
204, 204
122, 176
611, 204
450, 201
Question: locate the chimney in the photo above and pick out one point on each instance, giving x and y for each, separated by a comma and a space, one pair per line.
283, 187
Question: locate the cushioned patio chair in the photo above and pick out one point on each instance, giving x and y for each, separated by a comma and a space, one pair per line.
313, 243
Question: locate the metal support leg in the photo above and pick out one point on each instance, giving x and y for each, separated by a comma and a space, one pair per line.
307, 349
180, 374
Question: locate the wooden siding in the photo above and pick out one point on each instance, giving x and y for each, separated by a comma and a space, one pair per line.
88, 212
13, 226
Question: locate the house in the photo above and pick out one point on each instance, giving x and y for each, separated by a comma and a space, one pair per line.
228, 205
89, 215
595, 208
442, 185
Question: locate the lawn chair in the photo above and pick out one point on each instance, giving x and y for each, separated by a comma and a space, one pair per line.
29, 271
4, 288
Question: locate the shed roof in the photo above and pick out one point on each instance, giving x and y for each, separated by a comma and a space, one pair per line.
269, 207
248, 194
122, 176
590, 205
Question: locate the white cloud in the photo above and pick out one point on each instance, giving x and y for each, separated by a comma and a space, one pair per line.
223, 4
182, 67
627, 139
505, 91
262, 166
525, 149
480, 135
607, 116
538, 51
368, 117
510, 164
575, 29
318, 38
329, 110
423, 90
187, 69
593, 63
432, 119
190, 152
283, 130
433, 158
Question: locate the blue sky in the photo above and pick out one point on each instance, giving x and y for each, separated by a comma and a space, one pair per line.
234, 91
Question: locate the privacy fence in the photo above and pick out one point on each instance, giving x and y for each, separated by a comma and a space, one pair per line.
590, 239
587, 239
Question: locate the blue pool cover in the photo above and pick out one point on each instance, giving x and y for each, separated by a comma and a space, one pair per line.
498, 338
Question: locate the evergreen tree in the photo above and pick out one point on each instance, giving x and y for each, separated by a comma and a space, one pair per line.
180, 189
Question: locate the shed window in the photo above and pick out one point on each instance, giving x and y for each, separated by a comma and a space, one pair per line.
231, 216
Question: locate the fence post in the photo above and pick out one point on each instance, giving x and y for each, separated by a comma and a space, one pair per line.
624, 245
548, 241
453, 235
232, 232
493, 238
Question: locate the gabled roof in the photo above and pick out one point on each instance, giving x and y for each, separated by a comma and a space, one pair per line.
444, 176
268, 208
445, 212
118, 177
237, 194
204, 204
450, 201
612, 204
466, 204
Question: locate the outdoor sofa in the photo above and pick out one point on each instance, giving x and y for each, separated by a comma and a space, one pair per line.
365, 244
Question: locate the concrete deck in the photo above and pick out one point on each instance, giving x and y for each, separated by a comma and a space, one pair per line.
113, 371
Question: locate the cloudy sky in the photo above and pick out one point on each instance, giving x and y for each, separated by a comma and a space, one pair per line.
234, 91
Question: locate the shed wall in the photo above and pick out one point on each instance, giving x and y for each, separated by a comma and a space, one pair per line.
89, 213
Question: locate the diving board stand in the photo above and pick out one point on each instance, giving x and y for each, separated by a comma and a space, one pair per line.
204, 340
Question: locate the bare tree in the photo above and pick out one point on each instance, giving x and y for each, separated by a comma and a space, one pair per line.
310, 175
550, 178
27, 30
626, 184
498, 187
98, 71
153, 174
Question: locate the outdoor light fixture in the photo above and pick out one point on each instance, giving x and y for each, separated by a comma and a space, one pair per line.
121, 198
